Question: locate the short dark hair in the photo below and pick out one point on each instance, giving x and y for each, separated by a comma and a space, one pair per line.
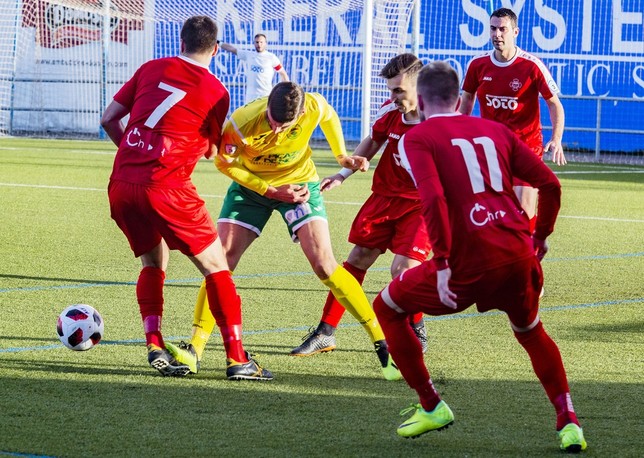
260, 35
406, 63
199, 34
438, 84
506, 12
286, 101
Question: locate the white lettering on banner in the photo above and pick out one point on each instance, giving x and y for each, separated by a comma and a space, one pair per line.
549, 15
292, 10
639, 80
327, 10
587, 26
305, 72
481, 15
226, 10
591, 74
320, 67
621, 18
299, 69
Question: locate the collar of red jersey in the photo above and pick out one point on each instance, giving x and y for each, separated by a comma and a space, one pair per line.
444, 115
498, 63
193, 62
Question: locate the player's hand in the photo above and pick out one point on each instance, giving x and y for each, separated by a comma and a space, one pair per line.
356, 163
540, 247
331, 182
289, 193
444, 293
557, 151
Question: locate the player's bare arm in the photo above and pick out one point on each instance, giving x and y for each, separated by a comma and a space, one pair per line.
111, 121
228, 47
467, 103
557, 119
283, 75
366, 149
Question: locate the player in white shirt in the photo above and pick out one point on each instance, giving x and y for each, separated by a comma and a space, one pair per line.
261, 66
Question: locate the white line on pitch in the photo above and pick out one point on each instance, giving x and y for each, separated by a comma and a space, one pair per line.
332, 202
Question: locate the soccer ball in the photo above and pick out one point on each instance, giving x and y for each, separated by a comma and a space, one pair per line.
80, 327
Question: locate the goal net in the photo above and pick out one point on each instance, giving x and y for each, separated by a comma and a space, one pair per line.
61, 61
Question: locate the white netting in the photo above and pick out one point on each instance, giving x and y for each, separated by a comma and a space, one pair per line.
62, 60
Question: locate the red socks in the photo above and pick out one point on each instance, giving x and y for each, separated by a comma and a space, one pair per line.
225, 305
547, 364
149, 294
333, 310
407, 353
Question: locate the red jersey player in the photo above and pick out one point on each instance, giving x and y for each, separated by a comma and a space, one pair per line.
177, 108
391, 218
507, 82
483, 251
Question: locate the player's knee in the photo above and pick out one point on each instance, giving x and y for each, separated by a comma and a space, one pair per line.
385, 308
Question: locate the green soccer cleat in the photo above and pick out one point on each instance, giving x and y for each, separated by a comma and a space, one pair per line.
161, 359
185, 354
572, 438
390, 371
247, 371
422, 422
389, 368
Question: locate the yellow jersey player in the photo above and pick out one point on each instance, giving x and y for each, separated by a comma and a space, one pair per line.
265, 150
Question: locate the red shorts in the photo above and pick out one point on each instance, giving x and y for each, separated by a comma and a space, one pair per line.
513, 289
391, 223
148, 214
538, 150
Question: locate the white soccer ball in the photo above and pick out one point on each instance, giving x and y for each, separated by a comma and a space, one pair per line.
80, 327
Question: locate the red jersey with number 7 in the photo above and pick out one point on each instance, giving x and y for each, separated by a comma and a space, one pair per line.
463, 167
508, 92
177, 110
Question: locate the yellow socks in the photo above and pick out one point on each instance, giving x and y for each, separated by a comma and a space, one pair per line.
349, 293
203, 322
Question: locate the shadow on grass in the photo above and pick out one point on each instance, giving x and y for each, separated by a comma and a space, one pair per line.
91, 410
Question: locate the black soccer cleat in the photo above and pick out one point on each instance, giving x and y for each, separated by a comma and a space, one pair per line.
314, 343
421, 334
247, 371
161, 360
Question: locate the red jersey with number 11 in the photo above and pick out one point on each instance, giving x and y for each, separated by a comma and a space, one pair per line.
177, 109
463, 167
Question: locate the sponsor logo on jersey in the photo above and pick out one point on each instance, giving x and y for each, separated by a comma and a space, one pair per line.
394, 136
515, 84
295, 132
276, 159
480, 216
487, 78
502, 101
256, 69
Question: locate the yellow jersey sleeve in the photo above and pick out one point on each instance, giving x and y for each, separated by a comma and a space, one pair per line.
255, 157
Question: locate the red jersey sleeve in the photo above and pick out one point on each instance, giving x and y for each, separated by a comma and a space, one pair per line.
416, 153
